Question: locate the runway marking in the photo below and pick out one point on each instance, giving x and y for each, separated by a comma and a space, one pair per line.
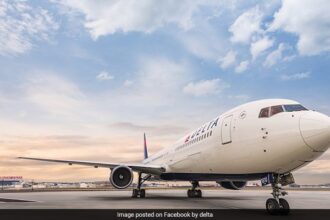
5, 200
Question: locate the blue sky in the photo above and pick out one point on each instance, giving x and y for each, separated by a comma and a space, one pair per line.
84, 79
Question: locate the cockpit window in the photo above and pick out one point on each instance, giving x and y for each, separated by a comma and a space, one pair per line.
294, 108
264, 113
275, 110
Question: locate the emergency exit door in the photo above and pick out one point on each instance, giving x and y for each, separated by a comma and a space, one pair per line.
226, 130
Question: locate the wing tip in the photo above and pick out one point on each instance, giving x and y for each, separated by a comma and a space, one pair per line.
23, 158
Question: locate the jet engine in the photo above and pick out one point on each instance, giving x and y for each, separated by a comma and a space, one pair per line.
234, 185
121, 177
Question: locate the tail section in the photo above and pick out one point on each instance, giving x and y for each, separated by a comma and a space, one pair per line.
145, 147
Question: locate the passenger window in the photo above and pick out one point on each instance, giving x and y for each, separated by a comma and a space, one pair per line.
264, 113
275, 110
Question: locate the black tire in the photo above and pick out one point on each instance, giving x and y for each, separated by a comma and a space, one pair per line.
142, 193
195, 193
272, 206
189, 193
284, 207
199, 193
134, 193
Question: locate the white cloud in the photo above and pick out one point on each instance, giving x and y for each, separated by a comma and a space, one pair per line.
158, 81
104, 75
162, 75
275, 56
128, 83
203, 41
3, 8
296, 76
309, 20
242, 66
21, 25
289, 58
108, 17
53, 94
260, 46
205, 87
246, 25
228, 60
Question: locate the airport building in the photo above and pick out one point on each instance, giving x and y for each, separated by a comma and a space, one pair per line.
11, 182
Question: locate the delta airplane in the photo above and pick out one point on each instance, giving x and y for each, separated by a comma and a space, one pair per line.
262, 140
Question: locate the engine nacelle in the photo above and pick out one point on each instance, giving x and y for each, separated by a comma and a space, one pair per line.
121, 177
234, 185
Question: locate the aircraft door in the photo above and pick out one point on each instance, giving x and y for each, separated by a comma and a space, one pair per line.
226, 130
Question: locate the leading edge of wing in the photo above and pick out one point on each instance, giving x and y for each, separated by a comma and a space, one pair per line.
145, 168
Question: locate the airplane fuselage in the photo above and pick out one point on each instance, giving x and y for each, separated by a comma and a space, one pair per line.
242, 145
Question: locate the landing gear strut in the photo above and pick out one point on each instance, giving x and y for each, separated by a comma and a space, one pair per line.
138, 192
193, 192
278, 205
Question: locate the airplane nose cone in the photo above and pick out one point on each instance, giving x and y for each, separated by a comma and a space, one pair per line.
315, 130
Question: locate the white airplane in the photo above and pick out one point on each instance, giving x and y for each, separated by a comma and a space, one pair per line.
262, 140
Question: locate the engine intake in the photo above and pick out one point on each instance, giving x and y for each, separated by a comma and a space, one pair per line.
121, 177
234, 185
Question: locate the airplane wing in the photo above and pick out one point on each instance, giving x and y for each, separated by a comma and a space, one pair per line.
145, 168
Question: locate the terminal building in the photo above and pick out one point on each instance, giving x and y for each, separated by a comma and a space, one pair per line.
11, 182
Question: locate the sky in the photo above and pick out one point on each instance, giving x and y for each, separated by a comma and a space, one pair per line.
85, 79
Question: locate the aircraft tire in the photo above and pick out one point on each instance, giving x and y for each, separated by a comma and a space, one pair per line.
142, 193
134, 193
190, 193
272, 206
199, 193
284, 207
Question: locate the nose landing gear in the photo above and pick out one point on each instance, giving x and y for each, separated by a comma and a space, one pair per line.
278, 205
194, 193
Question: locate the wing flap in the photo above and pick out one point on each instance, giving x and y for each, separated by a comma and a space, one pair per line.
145, 168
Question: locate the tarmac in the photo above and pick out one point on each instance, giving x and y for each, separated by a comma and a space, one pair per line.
159, 199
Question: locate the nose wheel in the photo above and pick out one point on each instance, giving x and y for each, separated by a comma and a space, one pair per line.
193, 192
277, 205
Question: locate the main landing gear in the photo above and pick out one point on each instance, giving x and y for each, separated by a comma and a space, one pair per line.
138, 192
194, 193
278, 205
